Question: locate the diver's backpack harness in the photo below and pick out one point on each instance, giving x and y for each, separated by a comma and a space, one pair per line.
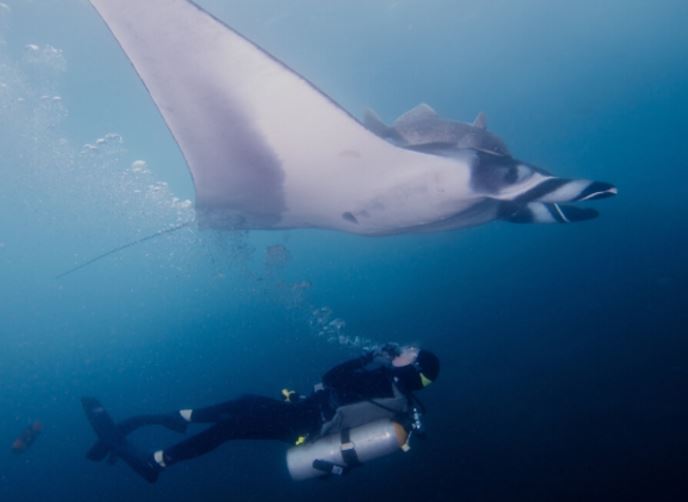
349, 455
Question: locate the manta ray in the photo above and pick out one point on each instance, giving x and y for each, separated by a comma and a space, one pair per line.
267, 149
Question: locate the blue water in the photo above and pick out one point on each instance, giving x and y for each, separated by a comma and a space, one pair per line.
563, 347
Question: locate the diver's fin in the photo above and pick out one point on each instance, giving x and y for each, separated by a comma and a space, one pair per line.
120, 248
174, 421
540, 212
102, 423
419, 113
480, 121
116, 442
98, 451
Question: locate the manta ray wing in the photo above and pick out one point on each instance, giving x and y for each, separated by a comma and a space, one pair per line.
266, 149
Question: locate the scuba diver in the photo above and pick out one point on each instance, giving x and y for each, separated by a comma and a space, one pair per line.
363, 409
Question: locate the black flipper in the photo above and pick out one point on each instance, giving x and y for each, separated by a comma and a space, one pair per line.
98, 451
172, 421
102, 423
112, 459
115, 441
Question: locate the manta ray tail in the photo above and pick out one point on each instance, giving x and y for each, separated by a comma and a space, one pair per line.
122, 247
540, 212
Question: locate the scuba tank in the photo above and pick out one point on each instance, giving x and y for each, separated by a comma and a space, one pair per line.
339, 452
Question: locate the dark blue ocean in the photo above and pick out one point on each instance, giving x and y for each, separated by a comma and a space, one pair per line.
564, 348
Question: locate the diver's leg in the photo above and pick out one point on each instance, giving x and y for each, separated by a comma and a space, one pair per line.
196, 445
178, 420
250, 417
173, 421
227, 409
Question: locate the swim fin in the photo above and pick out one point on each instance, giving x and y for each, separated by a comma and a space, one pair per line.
171, 421
114, 441
98, 451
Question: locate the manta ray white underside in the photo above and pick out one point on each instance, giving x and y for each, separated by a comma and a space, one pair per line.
267, 149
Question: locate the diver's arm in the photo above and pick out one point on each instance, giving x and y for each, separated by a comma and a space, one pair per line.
342, 373
370, 361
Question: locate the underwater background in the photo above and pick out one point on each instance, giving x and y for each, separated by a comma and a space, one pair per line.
564, 347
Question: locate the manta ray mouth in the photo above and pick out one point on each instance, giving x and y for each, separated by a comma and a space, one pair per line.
543, 203
538, 212
555, 190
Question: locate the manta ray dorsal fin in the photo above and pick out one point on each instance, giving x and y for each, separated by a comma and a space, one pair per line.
421, 113
480, 121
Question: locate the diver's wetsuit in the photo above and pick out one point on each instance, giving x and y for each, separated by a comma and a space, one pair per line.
258, 417
248, 417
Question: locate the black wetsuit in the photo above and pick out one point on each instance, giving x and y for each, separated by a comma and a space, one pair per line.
258, 417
